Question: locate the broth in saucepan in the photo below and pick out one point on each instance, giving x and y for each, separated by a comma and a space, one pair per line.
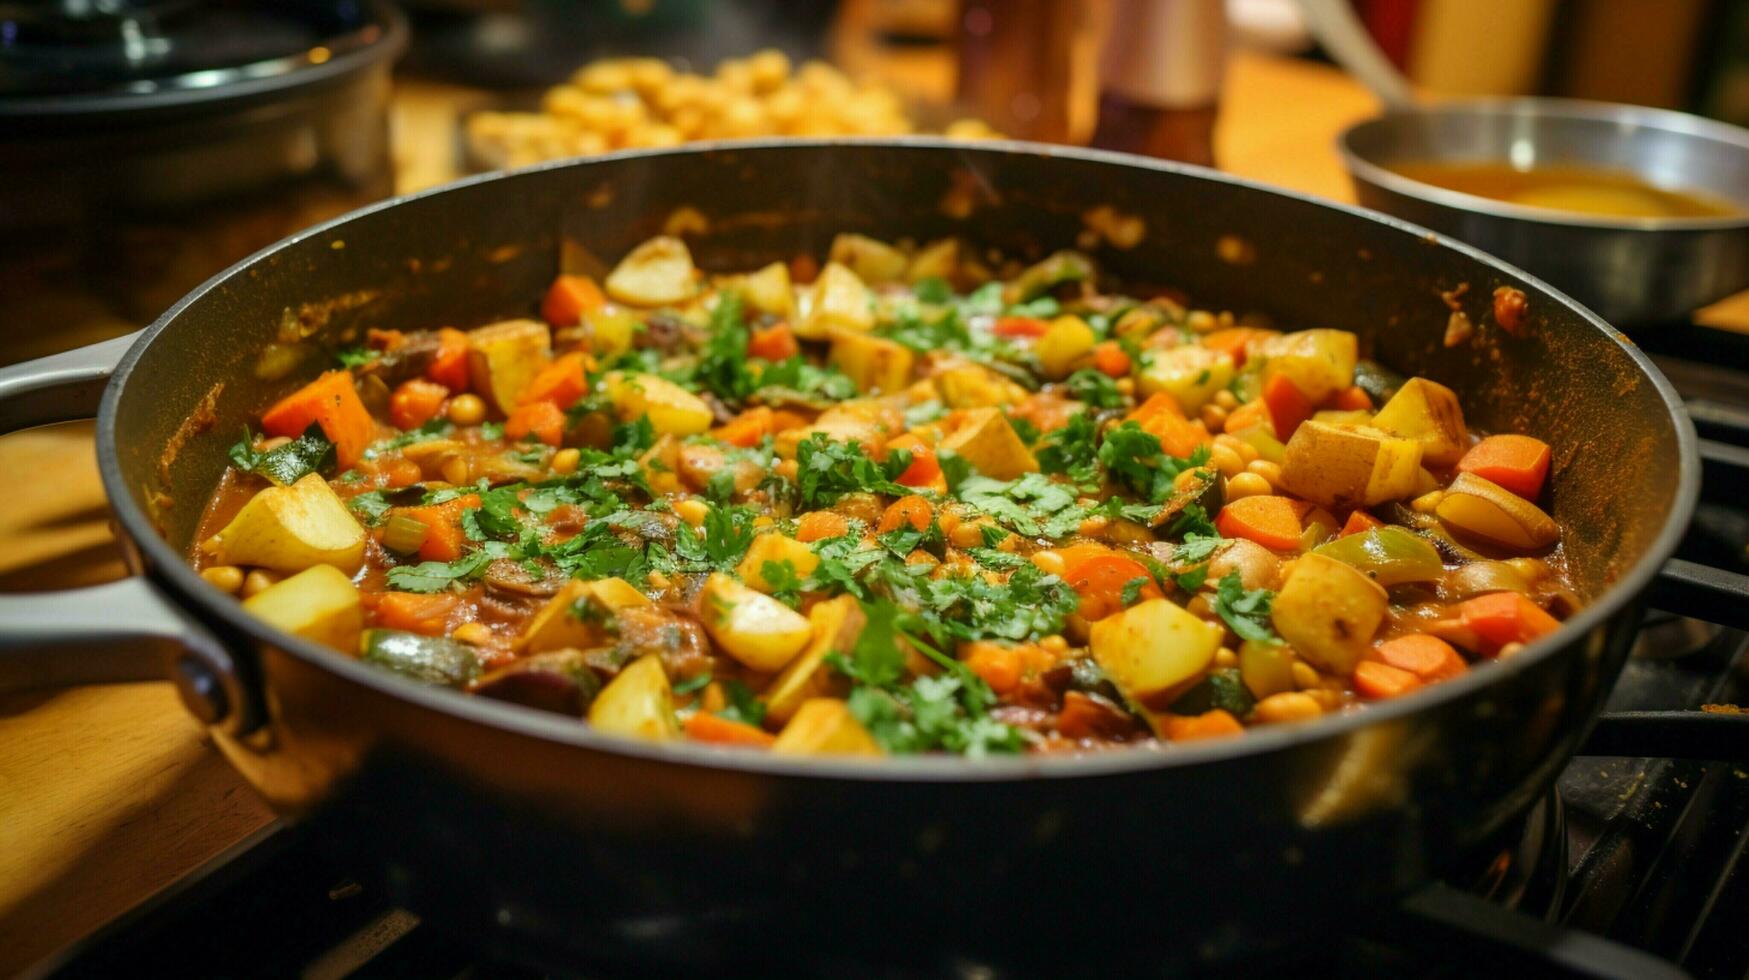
1577, 189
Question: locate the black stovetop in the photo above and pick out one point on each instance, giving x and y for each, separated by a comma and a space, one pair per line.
1632, 867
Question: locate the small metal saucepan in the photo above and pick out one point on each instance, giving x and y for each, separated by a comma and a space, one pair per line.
1633, 272
563, 838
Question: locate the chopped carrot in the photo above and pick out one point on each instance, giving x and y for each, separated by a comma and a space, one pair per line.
1360, 522
1218, 723
444, 539
1233, 341
544, 420
569, 298
1352, 399
401, 473
1074, 554
1020, 326
1288, 405
1000, 666
450, 367
1089, 716
417, 612
915, 510
1100, 579
783, 420
773, 343
1161, 417
1518, 463
1271, 521
560, 382
416, 402
1249, 416
818, 525
1110, 359
924, 468
1427, 657
706, 727
1500, 618
1375, 680
745, 430
331, 402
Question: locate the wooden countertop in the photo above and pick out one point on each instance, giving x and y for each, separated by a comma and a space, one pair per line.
108, 794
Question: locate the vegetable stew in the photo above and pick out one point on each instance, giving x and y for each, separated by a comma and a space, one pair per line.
916, 499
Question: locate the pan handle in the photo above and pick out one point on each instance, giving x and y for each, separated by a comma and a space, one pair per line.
60, 387
118, 631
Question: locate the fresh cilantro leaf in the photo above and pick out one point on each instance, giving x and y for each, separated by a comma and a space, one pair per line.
1192, 580
1072, 449
722, 366
1043, 308
995, 559
781, 578
289, 462
697, 682
1192, 521
435, 429
632, 438
720, 488
1095, 389
826, 470
1196, 547
1023, 428
744, 706
356, 357
1132, 590
726, 534
1245, 611
370, 507
933, 289
435, 576
496, 515
876, 659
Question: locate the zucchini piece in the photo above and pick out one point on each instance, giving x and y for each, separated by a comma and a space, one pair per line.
427, 659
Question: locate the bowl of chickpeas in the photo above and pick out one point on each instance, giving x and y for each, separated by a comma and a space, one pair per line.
628, 103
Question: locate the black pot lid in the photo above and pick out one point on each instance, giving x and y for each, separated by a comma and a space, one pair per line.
76, 57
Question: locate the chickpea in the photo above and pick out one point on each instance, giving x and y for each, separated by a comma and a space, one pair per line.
692, 511
566, 460
1226, 461
1199, 606
1226, 399
473, 634
1049, 562
1126, 386
1214, 417
1247, 484
225, 578
1533, 569
1095, 526
1287, 706
467, 409
1225, 657
789, 469
455, 470
1264, 468
1056, 645
258, 581
1305, 677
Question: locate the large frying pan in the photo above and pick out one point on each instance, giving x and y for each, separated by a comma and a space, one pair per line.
559, 835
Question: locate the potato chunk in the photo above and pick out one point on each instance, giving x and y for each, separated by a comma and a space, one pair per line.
775, 547
1190, 374
873, 260
672, 409
876, 364
657, 273
319, 603
750, 626
970, 385
579, 615
825, 726
937, 260
859, 422
1329, 611
833, 627
991, 445
1429, 413
1154, 650
837, 301
1350, 466
1319, 362
769, 290
639, 703
504, 357
1068, 341
291, 528
1479, 508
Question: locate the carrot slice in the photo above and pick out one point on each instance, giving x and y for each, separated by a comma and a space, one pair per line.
818, 525
1161, 417
1352, 399
924, 468
1360, 522
1427, 657
745, 430
1000, 666
706, 727
1500, 618
1271, 521
1288, 405
544, 420
331, 402
416, 402
1518, 463
560, 382
417, 612
1218, 723
1100, 579
1020, 326
444, 540
915, 510
450, 367
773, 343
1234, 340
1375, 680
1110, 359
569, 298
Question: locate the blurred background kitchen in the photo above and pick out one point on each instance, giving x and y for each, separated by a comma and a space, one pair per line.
147, 144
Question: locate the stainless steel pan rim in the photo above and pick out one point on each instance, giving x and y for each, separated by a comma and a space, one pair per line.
1365, 167
169, 566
